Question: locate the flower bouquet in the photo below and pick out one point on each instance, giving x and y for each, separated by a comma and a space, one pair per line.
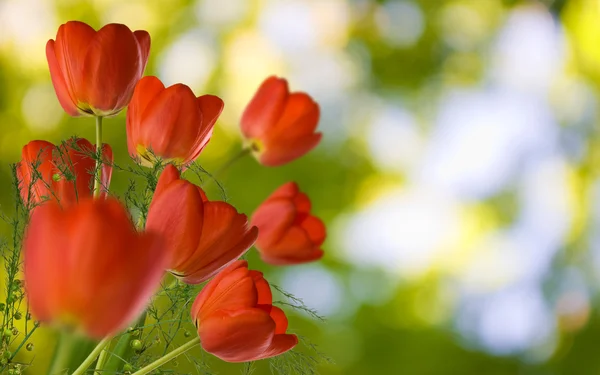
96, 266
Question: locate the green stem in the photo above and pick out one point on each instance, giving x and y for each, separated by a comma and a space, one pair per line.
243, 152
165, 359
92, 357
123, 350
71, 350
102, 360
98, 176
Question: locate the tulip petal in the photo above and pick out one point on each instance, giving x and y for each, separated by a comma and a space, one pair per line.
167, 176
315, 229
299, 118
271, 231
210, 288
264, 109
281, 322
302, 203
237, 336
72, 42
234, 291
177, 213
143, 40
265, 297
226, 236
87, 266
75, 167
146, 90
63, 94
46, 271
281, 152
295, 247
140, 259
112, 67
276, 260
280, 344
287, 190
211, 107
171, 123
36, 187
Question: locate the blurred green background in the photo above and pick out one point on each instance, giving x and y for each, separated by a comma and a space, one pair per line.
458, 174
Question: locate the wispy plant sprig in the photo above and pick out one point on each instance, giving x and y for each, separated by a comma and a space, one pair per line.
14, 308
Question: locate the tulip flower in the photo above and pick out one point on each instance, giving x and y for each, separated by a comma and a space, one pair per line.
63, 173
169, 123
202, 236
235, 317
288, 233
94, 72
279, 126
86, 267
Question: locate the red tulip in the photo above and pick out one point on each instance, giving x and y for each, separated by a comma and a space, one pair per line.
170, 123
236, 319
94, 72
64, 173
86, 267
203, 237
288, 234
279, 125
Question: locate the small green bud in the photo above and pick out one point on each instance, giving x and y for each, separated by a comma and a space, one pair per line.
127, 367
7, 332
187, 334
29, 347
2, 306
136, 344
18, 315
7, 354
3, 362
15, 331
12, 372
56, 177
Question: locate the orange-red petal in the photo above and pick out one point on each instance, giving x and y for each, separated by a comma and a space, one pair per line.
87, 265
65, 98
280, 344
146, 90
211, 107
266, 106
72, 42
226, 236
279, 152
178, 214
271, 231
237, 336
170, 124
112, 67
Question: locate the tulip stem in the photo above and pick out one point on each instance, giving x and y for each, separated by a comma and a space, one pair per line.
98, 172
92, 357
101, 360
243, 152
165, 359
